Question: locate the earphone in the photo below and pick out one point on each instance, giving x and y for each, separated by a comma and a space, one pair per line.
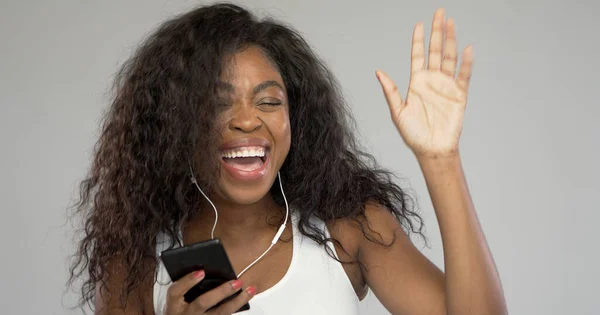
277, 235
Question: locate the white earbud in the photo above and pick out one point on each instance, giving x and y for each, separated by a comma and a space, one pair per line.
277, 235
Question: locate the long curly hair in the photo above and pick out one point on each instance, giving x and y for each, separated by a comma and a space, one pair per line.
163, 115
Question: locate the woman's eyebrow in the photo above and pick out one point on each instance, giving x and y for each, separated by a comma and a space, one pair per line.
266, 85
257, 89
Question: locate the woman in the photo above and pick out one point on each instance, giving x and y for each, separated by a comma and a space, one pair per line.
218, 114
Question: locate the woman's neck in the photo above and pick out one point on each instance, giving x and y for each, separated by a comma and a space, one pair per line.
237, 224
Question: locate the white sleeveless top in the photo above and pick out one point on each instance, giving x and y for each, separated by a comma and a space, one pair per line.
314, 283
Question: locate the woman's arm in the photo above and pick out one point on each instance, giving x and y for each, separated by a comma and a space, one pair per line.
472, 284
430, 123
406, 282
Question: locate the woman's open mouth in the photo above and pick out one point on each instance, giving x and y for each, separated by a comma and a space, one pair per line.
246, 163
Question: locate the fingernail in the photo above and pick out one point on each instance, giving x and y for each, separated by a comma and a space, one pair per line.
251, 290
236, 284
199, 274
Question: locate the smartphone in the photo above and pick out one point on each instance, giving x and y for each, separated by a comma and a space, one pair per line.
209, 256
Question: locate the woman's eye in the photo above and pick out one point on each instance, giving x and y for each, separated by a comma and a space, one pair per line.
270, 103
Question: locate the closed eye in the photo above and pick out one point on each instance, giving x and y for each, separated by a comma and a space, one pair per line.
270, 104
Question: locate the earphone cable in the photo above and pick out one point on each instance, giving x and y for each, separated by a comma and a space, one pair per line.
277, 235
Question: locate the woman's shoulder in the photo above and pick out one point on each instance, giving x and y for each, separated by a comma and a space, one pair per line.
353, 233
376, 222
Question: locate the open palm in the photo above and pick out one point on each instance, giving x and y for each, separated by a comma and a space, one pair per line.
430, 119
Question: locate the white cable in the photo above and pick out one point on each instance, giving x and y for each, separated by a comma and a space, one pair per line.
279, 232
287, 210
277, 235
212, 233
254, 262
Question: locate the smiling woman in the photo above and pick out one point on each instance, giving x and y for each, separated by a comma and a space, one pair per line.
255, 119
218, 121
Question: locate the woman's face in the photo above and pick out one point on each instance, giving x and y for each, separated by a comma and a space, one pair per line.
256, 132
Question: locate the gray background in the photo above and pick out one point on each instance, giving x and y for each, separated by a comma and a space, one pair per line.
530, 140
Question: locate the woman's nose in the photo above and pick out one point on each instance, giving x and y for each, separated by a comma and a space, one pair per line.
244, 118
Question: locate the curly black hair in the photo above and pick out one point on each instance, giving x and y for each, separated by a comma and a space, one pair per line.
163, 115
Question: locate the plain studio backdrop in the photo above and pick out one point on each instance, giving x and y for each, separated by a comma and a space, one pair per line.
530, 143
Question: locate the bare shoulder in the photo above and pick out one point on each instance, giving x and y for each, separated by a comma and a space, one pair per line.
390, 265
404, 280
378, 225
375, 227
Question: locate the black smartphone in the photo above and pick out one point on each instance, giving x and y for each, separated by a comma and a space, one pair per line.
209, 256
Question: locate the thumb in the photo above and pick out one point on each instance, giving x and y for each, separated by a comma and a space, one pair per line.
392, 95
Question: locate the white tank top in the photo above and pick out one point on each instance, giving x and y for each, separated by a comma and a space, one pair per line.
314, 283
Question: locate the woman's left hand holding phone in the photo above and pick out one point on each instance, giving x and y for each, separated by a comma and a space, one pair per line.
176, 305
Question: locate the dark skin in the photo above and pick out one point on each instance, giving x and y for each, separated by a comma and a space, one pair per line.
406, 282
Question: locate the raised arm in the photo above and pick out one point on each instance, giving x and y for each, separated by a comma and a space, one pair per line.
430, 123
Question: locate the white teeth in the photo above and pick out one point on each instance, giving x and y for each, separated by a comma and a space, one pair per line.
243, 152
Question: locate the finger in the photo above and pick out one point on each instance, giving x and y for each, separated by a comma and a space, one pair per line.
466, 67
181, 286
216, 295
417, 54
436, 40
390, 90
236, 303
450, 54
